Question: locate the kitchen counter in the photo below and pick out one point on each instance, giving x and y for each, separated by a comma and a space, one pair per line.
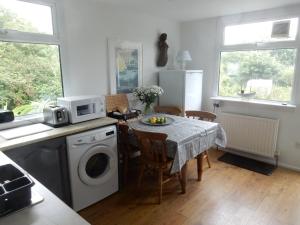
54, 133
51, 211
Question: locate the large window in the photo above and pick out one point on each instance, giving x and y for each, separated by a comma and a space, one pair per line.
30, 73
258, 60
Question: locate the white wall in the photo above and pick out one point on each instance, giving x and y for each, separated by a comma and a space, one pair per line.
200, 38
89, 24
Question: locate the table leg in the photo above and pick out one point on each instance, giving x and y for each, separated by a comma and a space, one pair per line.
199, 166
183, 178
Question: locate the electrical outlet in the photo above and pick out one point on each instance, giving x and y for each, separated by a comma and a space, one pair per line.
217, 105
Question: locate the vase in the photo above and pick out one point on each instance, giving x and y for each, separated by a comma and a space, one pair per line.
148, 109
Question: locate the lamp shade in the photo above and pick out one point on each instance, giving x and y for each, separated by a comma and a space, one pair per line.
184, 56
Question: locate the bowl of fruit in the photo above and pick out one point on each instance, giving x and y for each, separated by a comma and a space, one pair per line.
157, 120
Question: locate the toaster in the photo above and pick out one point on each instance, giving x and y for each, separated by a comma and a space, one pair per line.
55, 116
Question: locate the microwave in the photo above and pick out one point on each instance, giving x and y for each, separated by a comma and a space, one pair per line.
83, 108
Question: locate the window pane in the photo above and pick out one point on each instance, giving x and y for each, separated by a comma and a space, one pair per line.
257, 32
25, 17
30, 76
266, 74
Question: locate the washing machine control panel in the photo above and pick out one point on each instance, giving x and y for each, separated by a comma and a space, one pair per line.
90, 139
82, 140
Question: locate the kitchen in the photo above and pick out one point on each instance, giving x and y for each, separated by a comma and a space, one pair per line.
43, 154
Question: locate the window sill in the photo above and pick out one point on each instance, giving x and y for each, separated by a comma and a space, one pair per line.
254, 101
22, 121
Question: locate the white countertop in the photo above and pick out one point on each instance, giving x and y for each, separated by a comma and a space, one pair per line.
54, 133
52, 211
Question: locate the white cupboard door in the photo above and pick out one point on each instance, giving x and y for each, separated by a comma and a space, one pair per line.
193, 91
172, 82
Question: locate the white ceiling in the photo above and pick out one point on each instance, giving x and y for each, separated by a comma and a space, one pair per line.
183, 10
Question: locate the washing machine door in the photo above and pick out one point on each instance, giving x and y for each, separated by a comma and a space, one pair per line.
97, 165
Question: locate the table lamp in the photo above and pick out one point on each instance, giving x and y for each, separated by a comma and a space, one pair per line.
183, 57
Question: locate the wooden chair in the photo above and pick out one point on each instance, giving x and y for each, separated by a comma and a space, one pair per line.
153, 148
126, 147
118, 102
172, 110
202, 115
117, 106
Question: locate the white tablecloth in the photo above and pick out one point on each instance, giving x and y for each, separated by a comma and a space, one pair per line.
187, 138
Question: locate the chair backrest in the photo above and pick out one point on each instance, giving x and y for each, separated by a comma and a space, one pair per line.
201, 115
172, 110
153, 147
116, 102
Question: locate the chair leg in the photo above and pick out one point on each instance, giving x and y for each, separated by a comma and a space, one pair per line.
141, 175
183, 178
207, 159
199, 166
180, 180
160, 183
125, 169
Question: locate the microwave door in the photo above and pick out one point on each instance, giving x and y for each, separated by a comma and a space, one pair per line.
83, 110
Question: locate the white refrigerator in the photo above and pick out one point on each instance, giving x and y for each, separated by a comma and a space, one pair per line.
182, 88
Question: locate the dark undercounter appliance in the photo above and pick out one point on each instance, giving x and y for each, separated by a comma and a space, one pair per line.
47, 162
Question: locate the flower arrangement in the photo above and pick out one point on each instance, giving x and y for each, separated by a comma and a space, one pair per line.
148, 95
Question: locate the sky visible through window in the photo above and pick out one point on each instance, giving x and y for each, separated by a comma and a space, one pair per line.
39, 16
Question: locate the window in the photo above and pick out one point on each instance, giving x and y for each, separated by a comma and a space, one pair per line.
258, 60
30, 72
260, 32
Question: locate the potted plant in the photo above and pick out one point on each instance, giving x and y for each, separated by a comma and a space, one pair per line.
148, 95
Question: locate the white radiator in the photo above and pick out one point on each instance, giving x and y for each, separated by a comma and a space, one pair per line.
250, 134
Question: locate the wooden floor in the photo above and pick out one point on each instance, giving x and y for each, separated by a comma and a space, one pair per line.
227, 195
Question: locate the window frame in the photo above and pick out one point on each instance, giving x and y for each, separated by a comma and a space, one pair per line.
256, 18
8, 35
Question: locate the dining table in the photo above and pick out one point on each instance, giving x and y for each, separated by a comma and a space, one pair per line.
187, 138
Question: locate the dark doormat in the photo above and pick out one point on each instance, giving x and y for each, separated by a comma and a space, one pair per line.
249, 164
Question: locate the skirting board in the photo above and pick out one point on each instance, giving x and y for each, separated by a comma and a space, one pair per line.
261, 158
284, 165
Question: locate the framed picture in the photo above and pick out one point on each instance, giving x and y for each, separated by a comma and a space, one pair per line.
125, 66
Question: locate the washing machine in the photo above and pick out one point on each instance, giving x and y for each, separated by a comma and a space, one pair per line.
93, 164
